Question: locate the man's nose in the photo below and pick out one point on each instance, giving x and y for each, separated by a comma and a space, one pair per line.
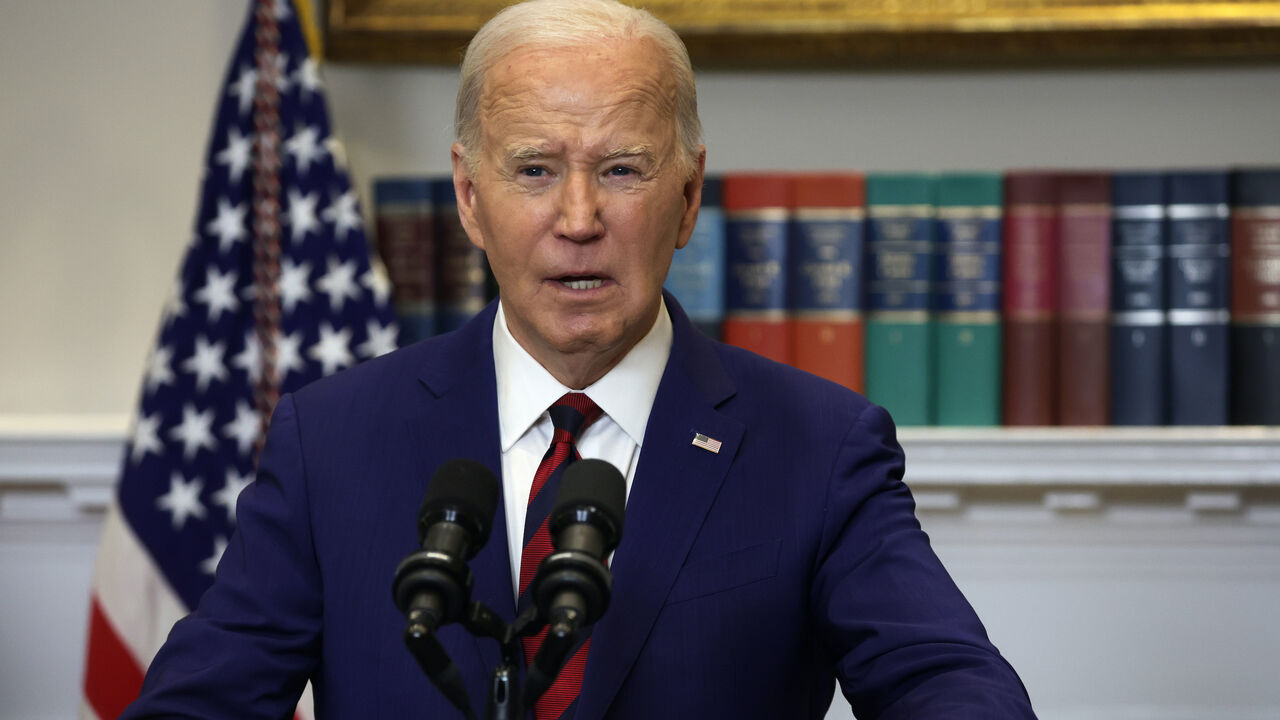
580, 202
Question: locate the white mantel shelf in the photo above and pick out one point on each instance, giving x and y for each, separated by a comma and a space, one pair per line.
59, 468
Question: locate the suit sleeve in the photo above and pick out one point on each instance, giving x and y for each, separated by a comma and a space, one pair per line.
249, 648
906, 643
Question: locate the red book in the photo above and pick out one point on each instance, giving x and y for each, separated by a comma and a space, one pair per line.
1255, 297
827, 328
1030, 298
757, 210
1084, 236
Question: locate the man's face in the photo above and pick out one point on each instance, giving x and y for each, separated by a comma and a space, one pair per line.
578, 198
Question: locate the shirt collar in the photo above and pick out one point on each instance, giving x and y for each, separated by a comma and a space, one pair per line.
626, 393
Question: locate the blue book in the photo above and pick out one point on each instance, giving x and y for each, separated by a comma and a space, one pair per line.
1199, 218
406, 243
696, 276
757, 209
1138, 299
462, 271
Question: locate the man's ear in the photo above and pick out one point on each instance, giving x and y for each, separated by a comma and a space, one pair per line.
465, 190
692, 198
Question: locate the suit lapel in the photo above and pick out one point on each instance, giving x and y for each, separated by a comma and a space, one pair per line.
459, 418
675, 485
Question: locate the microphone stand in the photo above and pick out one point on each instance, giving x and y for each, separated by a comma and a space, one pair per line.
504, 701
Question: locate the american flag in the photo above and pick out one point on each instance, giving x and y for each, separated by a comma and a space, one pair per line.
276, 290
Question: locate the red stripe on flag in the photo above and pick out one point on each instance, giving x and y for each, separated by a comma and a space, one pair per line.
113, 677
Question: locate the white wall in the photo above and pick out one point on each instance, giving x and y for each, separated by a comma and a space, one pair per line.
107, 108
104, 113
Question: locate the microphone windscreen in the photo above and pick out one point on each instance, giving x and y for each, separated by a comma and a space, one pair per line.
465, 487
594, 483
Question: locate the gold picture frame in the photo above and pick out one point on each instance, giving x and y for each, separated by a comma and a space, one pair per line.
859, 33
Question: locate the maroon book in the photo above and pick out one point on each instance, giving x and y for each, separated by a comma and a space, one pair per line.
1084, 300
1030, 298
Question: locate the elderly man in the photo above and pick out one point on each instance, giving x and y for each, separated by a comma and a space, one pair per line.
771, 548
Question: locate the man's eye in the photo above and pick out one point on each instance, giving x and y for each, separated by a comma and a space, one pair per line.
621, 171
533, 172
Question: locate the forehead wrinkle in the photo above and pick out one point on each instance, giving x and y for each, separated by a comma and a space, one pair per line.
517, 94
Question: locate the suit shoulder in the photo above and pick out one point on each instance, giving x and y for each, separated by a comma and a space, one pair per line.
372, 380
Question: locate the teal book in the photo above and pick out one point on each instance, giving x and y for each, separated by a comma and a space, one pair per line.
899, 246
966, 298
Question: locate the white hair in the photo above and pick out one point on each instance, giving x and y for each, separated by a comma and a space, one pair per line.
573, 23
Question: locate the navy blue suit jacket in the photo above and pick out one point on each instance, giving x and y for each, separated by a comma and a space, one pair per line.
747, 583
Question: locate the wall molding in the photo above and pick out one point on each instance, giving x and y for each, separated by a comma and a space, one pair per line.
61, 467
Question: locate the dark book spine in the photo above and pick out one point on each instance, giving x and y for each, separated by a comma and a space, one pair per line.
406, 243
1084, 227
1199, 299
1255, 297
696, 277
1030, 299
462, 270
1138, 327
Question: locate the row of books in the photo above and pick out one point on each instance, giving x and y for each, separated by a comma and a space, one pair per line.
1019, 298
439, 280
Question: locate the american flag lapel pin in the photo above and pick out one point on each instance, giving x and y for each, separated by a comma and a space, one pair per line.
709, 444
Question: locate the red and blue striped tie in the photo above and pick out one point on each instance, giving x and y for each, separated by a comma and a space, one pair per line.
570, 415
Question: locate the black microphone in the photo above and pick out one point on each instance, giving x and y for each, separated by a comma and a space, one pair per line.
585, 526
571, 589
433, 585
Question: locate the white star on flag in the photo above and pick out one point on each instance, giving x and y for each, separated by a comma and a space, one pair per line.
230, 492
307, 76
243, 88
382, 340
295, 286
145, 438
195, 431
305, 148
333, 350
250, 359
281, 72
218, 293
344, 215
228, 225
289, 354
245, 428
206, 363
183, 500
159, 371
339, 283
302, 214
237, 154
210, 564
375, 278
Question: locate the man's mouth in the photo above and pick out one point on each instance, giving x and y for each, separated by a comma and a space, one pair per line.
581, 282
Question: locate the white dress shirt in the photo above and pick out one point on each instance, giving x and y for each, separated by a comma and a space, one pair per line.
526, 390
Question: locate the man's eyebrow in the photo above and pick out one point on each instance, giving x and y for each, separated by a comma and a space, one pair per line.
630, 151
525, 152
